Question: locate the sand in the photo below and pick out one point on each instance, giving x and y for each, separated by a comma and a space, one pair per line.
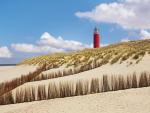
108, 69
9, 72
124, 101
127, 101
116, 69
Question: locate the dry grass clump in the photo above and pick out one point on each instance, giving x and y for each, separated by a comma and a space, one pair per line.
115, 59
139, 54
127, 55
81, 87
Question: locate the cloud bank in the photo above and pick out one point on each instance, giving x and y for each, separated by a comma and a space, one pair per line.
130, 14
49, 44
145, 34
5, 52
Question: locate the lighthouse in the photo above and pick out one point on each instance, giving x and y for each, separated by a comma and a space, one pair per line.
96, 40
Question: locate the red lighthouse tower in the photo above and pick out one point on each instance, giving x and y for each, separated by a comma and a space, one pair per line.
96, 41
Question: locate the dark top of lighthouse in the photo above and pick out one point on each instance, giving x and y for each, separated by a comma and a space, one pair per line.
96, 30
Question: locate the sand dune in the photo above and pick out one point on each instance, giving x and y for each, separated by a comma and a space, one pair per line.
127, 67
116, 69
125, 101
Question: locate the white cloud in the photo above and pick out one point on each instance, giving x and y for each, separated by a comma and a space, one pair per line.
125, 40
130, 14
5, 52
49, 44
30, 48
25, 47
145, 34
47, 39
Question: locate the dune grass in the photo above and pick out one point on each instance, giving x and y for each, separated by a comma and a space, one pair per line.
109, 54
81, 87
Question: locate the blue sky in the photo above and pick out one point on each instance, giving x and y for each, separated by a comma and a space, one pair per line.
25, 21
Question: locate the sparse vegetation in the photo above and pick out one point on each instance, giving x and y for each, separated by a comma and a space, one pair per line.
138, 55
115, 59
109, 54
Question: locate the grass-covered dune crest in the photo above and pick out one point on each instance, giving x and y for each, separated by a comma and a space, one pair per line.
94, 57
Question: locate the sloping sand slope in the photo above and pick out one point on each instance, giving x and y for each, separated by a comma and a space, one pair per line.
125, 101
9, 72
115, 69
